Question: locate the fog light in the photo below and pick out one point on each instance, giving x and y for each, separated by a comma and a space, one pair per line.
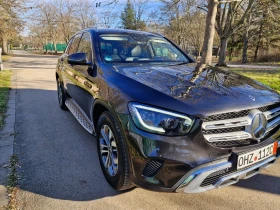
152, 180
185, 183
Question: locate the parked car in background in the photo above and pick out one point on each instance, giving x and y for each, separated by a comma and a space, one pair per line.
160, 123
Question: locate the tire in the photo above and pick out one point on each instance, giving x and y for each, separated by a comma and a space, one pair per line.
116, 171
61, 95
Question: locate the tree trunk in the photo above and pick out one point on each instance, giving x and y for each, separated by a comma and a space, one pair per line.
218, 52
268, 45
231, 54
223, 52
245, 45
54, 47
232, 48
207, 49
259, 42
4, 46
256, 53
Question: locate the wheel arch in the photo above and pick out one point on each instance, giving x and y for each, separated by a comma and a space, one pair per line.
56, 76
99, 107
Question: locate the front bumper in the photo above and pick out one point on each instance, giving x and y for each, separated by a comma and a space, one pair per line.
181, 164
219, 175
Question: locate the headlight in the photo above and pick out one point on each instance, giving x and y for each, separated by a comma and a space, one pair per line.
160, 121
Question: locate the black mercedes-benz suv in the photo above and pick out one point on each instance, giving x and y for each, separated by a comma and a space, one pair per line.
159, 122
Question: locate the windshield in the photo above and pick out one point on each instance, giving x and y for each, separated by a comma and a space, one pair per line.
125, 48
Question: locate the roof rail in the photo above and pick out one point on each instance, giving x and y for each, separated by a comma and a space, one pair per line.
157, 33
94, 27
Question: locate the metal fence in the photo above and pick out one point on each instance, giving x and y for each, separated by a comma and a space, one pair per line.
59, 47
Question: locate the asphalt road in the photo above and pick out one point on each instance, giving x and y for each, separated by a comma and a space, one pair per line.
59, 167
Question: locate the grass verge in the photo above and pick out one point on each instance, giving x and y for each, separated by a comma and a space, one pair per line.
270, 78
12, 182
266, 63
5, 81
6, 57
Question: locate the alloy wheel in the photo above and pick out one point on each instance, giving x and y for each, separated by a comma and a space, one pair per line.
108, 150
59, 92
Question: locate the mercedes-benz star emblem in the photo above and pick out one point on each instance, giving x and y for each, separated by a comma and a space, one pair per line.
258, 127
252, 98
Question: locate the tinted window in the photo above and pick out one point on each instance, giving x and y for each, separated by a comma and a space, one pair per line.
138, 47
74, 45
68, 46
85, 46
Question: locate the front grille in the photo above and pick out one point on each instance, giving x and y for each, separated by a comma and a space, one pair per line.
242, 113
228, 144
225, 116
152, 167
224, 130
233, 129
271, 133
266, 108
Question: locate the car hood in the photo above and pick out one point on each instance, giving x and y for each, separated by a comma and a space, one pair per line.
185, 89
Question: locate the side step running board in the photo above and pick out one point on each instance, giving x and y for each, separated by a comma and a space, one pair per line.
80, 115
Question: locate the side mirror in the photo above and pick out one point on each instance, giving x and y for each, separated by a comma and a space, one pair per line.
78, 59
92, 70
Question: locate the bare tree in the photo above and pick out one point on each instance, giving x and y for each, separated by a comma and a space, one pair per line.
108, 18
46, 20
230, 18
247, 26
196, 31
10, 23
64, 10
140, 8
85, 14
267, 26
207, 49
179, 15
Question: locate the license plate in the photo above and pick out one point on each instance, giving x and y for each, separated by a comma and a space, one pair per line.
256, 156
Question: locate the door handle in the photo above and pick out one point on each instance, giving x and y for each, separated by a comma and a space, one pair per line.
87, 84
91, 85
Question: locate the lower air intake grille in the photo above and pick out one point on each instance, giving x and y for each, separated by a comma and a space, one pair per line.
152, 167
214, 177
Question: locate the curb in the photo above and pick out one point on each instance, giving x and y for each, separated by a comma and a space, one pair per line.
7, 136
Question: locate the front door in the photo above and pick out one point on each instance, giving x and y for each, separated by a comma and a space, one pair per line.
69, 71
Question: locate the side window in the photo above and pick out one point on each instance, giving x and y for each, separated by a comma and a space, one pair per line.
85, 46
68, 46
74, 45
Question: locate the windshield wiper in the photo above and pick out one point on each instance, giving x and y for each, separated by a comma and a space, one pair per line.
180, 63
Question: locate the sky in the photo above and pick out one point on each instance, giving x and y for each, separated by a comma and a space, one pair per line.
150, 7
105, 5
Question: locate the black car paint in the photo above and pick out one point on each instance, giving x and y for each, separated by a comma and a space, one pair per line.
177, 88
